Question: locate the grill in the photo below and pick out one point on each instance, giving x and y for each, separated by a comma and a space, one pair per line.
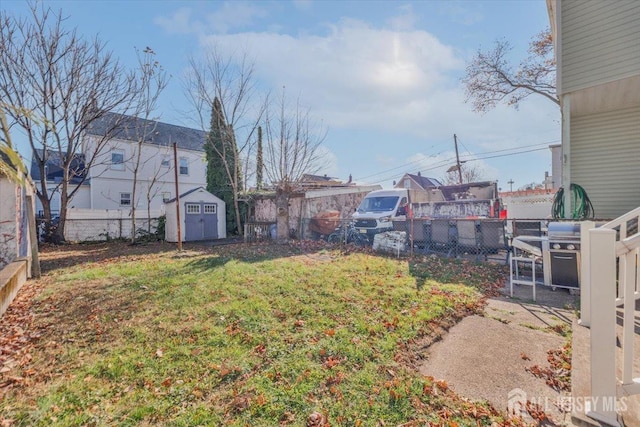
561, 255
559, 252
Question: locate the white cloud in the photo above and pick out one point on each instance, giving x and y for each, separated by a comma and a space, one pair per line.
355, 75
178, 23
231, 15
396, 88
405, 21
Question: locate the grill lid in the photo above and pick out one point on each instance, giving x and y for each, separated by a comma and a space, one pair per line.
563, 229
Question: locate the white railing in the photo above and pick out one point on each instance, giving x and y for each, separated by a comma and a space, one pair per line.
610, 270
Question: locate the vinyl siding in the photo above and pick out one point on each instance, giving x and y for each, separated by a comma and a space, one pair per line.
600, 42
605, 160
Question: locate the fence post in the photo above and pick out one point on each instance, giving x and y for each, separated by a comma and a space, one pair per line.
603, 399
585, 274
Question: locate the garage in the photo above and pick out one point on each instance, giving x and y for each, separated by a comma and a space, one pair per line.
202, 217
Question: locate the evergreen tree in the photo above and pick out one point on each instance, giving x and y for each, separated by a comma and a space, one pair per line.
223, 163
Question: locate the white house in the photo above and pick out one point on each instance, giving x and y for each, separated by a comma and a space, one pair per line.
202, 217
597, 48
109, 181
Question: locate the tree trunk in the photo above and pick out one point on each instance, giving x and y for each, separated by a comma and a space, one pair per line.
236, 207
58, 234
282, 216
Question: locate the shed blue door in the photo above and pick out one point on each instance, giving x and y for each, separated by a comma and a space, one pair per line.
210, 216
201, 221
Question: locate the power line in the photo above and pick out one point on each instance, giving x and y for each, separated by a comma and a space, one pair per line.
467, 157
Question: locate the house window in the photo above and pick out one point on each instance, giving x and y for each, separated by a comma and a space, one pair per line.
125, 199
117, 160
209, 208
407, 183
166, 196
166, 162
184, 166
192, 208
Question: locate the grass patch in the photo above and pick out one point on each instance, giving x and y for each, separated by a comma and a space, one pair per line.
254, 335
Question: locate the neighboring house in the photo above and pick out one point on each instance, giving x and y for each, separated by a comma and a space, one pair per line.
417, 182
53, 173
202, 217
597, 48
109, 181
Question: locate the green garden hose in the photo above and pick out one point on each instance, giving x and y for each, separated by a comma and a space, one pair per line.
582, 207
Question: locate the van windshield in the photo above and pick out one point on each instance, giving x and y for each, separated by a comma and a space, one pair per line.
378, 204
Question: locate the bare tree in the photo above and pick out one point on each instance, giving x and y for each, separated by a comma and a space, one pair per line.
470, 173
225, 86
68, 83
292, 142
153, 80
491, 79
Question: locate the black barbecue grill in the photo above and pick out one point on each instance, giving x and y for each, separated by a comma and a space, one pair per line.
561, 255
557, 254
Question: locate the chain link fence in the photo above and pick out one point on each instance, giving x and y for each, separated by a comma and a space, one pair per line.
481, 239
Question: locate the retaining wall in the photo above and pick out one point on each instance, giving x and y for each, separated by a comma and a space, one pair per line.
12, 277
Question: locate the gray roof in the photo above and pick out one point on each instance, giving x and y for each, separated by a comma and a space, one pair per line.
124, 127
424, 181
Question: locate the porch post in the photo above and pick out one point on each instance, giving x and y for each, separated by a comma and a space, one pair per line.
585, 274
566, 154
603, 399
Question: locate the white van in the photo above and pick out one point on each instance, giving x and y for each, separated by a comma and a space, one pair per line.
378, 209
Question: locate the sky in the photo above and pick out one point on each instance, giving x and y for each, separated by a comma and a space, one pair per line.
383, 77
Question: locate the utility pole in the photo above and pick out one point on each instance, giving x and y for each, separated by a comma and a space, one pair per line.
175, 170
455, 141
510, 182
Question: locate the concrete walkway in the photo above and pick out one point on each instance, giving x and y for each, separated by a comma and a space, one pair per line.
485, 357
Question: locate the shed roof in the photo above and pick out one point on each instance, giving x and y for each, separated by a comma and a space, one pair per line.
193, 190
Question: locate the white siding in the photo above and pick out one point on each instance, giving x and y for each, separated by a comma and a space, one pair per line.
107, 183
600, 42
605, 160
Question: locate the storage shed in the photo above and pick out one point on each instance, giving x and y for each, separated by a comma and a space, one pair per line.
202, 217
